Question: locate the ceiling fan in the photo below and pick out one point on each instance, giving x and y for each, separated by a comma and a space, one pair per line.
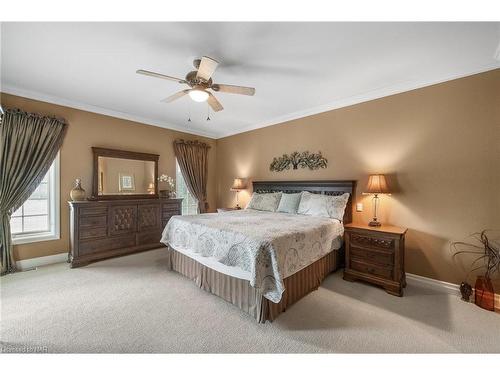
200, 80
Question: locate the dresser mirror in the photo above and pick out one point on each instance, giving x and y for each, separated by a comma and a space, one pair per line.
122, 174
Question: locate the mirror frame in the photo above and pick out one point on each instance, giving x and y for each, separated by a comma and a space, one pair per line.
111, 153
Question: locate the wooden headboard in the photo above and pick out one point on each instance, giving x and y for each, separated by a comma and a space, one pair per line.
316, 187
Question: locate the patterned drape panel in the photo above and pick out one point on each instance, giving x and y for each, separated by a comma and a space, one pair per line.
28, 145
192, 157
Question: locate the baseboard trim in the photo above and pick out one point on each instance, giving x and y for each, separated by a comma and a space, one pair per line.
27, 264
443, 286
438, 285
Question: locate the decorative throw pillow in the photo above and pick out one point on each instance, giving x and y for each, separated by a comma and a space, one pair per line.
323, 205
264, 202
289, 203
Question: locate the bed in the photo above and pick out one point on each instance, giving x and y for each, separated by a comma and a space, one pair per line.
261, 262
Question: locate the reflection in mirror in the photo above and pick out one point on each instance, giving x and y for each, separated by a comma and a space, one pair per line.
119, 176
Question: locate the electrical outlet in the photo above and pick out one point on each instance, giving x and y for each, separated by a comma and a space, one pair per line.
359, 207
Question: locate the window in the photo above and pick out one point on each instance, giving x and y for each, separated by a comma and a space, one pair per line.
189, 203
38, 218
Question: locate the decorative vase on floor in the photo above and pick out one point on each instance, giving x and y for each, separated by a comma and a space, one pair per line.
77, 193
484, 294
466, 291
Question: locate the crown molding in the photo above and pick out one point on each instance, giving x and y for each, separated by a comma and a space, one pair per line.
339, 103
356, 99
13, 90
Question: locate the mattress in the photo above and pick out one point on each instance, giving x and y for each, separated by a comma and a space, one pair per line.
261, 247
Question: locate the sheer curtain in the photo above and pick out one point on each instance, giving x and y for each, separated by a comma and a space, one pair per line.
28, 145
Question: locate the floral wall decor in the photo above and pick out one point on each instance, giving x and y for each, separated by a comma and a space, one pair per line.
296, 159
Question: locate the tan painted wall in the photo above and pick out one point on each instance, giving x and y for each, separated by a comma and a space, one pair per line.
440, 144
88, 129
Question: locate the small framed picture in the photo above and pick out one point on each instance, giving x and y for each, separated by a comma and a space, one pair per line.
126, 182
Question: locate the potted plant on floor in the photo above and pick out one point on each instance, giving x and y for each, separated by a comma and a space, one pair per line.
487, 250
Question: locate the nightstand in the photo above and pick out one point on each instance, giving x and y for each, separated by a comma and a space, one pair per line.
227, 209
376, 255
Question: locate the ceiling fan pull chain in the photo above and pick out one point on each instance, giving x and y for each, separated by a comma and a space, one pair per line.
189, 111
208, 112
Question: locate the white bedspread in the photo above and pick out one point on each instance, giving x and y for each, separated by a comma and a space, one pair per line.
262, 247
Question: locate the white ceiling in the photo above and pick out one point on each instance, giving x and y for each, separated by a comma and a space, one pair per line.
297, 68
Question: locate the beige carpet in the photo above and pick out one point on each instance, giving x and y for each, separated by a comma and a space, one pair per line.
133, 304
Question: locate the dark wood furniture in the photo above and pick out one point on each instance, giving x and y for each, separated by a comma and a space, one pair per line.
121, 154
315, 187
376, 255
104, 229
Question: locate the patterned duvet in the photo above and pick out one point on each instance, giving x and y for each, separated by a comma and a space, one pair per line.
270, 246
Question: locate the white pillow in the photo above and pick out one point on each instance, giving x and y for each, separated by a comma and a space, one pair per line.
323, 205
264, 202
289, 203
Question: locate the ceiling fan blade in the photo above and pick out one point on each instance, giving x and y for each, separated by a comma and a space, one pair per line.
214, 103
177, 95
207, 68
242, 90
158, 75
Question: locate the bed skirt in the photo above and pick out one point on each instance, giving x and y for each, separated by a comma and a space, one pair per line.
240, 293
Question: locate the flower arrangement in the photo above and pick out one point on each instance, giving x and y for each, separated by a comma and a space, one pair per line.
170, 182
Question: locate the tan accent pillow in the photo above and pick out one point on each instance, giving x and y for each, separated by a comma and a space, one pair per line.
264, 202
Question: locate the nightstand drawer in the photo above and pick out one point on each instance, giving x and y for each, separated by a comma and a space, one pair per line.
372, 242
372, 269
373, 256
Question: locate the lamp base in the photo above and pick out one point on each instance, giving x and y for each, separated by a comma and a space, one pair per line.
374, 223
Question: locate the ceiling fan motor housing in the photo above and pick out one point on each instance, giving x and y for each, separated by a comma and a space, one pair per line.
192, 80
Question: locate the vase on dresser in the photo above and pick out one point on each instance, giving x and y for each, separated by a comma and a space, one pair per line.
77, 193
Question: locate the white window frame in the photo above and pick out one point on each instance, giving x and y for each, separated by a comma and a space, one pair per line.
189, 194
54, 212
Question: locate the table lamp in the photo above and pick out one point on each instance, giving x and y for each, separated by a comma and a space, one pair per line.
376, 185
238, 185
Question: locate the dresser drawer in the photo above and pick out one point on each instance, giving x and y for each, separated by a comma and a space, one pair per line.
92, 232
372, 269
93, 246
171, 207
93, 221
372, 256
372, 242
149, 238
170, 211
84, 211
165, 220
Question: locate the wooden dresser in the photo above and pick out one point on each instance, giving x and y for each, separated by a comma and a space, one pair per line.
376, 255
104, 229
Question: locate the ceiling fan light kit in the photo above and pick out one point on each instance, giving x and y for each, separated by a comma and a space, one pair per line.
200, 81
198, 95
